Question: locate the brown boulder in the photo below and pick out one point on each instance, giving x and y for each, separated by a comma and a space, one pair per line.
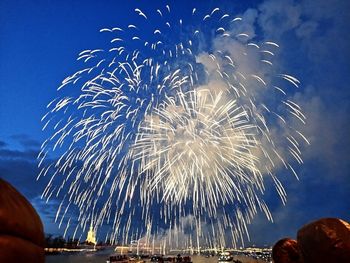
325, 240
21, 230
13, 249
286, 251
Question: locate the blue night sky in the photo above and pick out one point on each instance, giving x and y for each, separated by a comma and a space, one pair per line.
40, 41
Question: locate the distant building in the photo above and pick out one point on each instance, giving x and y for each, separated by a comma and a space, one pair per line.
91, 236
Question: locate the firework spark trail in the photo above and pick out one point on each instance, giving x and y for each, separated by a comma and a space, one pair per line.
162, 129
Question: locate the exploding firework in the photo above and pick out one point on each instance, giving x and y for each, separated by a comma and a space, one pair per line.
176, 129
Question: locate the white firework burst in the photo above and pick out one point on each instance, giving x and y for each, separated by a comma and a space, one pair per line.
195, 145
184, 124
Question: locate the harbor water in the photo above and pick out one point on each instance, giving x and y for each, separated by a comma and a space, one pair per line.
101, 257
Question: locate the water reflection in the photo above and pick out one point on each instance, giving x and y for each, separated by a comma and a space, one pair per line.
102, 256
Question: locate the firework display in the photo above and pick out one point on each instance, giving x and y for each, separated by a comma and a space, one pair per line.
172, 127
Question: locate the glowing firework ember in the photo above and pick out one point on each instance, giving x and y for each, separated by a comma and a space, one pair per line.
182, 125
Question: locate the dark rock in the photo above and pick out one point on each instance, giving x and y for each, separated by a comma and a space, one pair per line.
286, 251
13, 249
21, 230
325, 240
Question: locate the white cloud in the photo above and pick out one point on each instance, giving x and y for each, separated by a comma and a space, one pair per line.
246, 25
277, 17
326, 130
321, 26
306, 29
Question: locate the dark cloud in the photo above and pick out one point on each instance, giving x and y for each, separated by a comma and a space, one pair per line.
29, 155
22, 174
3, 144
25, 141
47, 211
20, 169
